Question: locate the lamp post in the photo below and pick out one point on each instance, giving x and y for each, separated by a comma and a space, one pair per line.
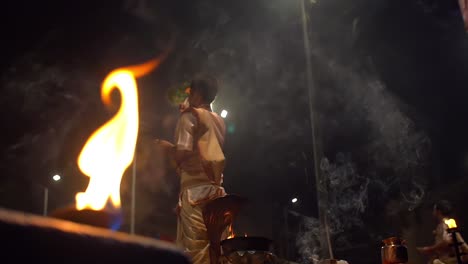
132, 208
322, 192
287, 209
46, 201
56, 178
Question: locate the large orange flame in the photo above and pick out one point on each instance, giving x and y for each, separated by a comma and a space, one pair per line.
110, 149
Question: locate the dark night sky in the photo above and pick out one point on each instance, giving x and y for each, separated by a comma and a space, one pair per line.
390, 81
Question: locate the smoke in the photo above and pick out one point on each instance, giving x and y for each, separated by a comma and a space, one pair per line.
308, 240
347, 200
397, 145
389, 158
347, 192
38, 97
138, 8
395, 150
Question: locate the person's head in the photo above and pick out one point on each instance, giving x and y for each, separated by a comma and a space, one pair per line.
203, 91
442, 209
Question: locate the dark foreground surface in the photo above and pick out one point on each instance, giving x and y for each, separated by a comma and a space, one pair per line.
27, 236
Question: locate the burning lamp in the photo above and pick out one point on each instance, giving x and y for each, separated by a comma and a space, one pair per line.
451, 223
104, 158
238, 250
394, 251
108, 152
453, 230
219, 214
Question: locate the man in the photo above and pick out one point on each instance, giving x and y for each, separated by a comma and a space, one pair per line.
441, 252
200, 161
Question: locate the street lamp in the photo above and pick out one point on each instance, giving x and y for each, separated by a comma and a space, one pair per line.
321, 190
224, 113
287, 209
56, 178
46, 201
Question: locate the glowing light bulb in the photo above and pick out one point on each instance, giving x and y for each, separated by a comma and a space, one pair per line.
56, 177
224, 113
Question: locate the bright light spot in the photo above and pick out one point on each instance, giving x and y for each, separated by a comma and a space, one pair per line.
224, 113
56, 177
294, 200
450, 223
231, 232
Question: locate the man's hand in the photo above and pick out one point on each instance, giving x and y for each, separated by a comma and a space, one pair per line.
164, 144
166, 147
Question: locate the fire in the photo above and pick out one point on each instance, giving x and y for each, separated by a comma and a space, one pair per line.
110, 149
231, 232
450, 223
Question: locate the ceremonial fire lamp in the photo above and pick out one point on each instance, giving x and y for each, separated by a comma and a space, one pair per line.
394, 251
453, 230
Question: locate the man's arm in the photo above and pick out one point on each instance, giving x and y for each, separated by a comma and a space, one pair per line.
183, 147
174, 154
441, 245
167, 146
429, 250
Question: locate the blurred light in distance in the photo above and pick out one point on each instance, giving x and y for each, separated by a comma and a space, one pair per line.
224, 113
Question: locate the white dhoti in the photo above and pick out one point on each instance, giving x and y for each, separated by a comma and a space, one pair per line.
191, 232
192, 236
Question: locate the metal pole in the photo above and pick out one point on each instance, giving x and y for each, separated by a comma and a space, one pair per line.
321, 190
456, 245
286, 231
46, 201
132, 209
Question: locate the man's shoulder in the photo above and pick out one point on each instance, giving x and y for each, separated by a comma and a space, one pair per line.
219, 119
190, 111
196, 112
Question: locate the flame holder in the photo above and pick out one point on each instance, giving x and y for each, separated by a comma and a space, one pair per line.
103, 218
456, 244
52, 240
394, 251
218, 214
247, 250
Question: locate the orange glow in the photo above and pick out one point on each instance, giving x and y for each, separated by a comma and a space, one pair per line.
450, 223
110, 149
231, 232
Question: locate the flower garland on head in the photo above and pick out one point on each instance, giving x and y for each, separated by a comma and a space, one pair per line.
179, 93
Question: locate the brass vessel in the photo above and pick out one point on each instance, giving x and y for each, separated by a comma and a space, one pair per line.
394, 251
